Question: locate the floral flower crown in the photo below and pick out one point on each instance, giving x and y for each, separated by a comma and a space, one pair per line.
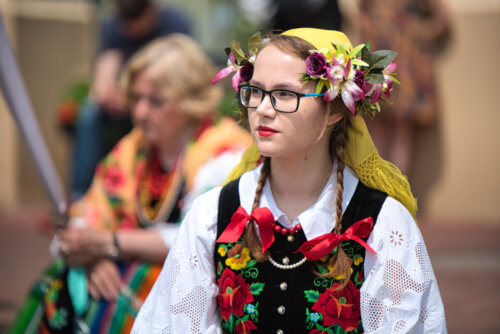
239, 61
360, 77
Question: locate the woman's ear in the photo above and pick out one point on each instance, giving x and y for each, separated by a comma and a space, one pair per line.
334, 118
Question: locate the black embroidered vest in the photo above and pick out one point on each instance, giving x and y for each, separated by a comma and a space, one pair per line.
261, 298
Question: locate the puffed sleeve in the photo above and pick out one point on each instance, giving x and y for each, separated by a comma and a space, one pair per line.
400, 293
183, 299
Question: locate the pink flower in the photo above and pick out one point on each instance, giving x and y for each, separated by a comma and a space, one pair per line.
231, 67
350, 94
390, 68
331, 93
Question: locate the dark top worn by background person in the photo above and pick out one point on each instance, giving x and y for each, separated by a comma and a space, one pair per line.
103, 118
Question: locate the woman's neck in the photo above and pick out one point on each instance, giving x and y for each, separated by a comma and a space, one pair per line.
296, 184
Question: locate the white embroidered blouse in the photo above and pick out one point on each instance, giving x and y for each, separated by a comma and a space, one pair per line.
399, 295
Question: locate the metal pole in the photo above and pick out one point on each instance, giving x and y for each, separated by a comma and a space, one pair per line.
14, 92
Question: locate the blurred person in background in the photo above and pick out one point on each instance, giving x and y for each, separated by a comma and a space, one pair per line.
120, 231
289, 14
324, 14
104, 117
419, 30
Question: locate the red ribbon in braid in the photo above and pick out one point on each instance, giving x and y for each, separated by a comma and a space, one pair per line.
323, 245
262, 216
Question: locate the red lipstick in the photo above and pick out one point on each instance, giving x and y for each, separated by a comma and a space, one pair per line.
265, 131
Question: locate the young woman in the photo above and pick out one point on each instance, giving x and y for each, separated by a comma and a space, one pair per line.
121, 230
321, 236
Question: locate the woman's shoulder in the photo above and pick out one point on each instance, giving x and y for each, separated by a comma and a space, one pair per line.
394, 217
207, 202
224, 140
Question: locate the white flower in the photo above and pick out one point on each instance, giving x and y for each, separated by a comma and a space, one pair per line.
336, 74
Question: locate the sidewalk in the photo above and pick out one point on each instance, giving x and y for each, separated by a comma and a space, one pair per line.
466, 260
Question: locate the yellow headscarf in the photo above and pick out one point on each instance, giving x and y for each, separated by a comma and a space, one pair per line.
360, 153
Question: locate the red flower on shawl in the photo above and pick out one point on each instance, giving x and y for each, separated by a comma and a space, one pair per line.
245, 327
125, 219
340, 307
113, 179
234, 293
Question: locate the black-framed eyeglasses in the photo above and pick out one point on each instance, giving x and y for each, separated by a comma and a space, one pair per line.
282, 100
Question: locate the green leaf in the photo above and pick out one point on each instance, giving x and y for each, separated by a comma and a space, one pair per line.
238, 53
251, 263
359, 62
354, 52
393, 77
340, 50
383, 58
322, 269
230, 323
254, 43
319, 86
256, 288
365, 54
375, 77
311, 295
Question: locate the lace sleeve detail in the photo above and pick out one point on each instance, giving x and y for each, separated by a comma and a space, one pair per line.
183, 297
400, 293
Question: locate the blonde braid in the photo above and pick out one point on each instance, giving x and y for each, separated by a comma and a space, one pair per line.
340, 262
252, 240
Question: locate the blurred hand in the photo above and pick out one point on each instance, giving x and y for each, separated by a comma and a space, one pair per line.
80, 246
110, 98
104, 280
105, 89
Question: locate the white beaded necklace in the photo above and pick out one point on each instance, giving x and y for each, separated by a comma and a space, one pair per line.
287, 266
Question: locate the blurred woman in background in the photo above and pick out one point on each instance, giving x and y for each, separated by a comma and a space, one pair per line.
419, 30
120, 232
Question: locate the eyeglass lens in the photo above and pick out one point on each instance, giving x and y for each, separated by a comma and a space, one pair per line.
282, 100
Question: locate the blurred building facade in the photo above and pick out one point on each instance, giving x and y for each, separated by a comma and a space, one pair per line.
455, 173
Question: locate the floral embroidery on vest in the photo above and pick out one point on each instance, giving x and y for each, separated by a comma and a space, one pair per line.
238, 312
326, 311
332, 307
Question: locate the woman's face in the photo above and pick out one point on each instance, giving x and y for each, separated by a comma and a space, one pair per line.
160, 118
287, 135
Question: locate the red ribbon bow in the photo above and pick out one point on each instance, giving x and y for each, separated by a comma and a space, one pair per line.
262, 216
323, 245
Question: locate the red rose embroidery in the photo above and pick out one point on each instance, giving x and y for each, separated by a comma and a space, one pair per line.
318, 331
340, 307
245, 327
234, 293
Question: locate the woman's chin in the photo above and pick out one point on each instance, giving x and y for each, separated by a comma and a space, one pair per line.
266, 149
150, 139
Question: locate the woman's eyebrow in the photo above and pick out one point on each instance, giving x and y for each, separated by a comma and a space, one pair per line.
283, 85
